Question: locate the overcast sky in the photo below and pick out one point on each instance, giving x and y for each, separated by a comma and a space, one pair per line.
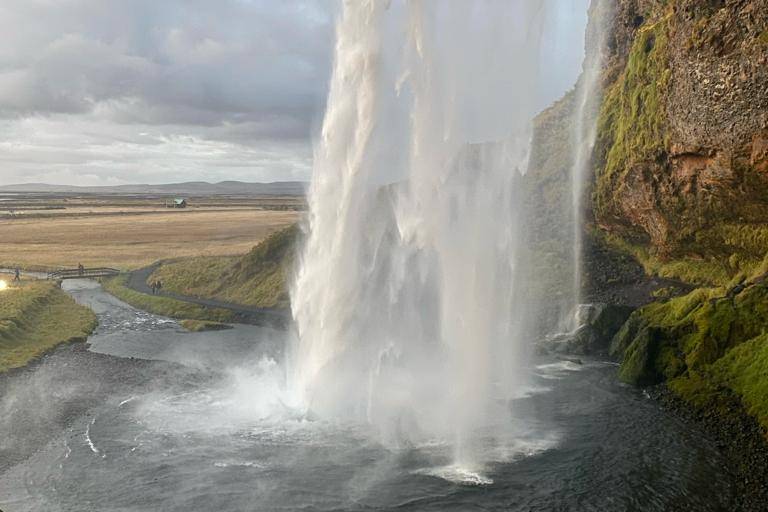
102, 92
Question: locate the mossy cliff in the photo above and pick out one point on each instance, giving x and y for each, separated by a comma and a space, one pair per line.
681, 185
547, 197
682, 152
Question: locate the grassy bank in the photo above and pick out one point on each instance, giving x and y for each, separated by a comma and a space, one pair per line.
257, 279
35, 317
203, 325
164, 306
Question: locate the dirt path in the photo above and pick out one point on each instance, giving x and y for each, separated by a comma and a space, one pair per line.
272, 317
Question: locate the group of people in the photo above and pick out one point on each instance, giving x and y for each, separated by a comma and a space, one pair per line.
156, 286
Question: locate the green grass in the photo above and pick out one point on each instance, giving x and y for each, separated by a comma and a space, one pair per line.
164, 306
35, 317
203, 325
257, 279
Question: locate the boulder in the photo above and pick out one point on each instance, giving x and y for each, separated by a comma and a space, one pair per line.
638, 366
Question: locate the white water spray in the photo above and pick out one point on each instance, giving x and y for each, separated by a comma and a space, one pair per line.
407, 301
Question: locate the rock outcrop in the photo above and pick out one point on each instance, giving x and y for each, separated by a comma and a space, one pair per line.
598, 323
703, 344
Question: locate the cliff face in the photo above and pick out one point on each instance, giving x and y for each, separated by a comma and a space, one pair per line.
681, 183
682, 152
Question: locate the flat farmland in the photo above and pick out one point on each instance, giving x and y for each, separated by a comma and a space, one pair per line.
133, 239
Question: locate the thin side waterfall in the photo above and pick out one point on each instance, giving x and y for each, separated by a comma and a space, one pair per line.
408, 303
584, 132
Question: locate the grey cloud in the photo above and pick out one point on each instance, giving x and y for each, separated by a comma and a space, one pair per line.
76, 150
190, 62
116, 91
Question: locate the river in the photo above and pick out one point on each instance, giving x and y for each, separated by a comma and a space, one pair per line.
149, 417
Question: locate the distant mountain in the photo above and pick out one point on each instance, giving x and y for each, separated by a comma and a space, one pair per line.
192, 188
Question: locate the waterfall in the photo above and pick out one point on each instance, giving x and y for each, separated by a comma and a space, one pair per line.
584, 132
407, 299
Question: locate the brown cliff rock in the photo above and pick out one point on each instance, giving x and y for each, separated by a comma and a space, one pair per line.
683, 134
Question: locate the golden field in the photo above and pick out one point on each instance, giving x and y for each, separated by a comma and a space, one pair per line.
134, 239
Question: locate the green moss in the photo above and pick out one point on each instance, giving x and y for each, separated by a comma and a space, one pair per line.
696, 39
761, 269
632, 124
665, 292
712, 271
626, 335
711, 341
638, 366
671, 313
669, 362
763, 37
725, 253
257, 279
697, 389
35, 317
744, 370
164, 306
741, 372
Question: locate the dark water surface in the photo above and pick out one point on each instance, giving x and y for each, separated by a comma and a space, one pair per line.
155, 419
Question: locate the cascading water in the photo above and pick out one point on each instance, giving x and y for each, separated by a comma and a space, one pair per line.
407, 300
584, 132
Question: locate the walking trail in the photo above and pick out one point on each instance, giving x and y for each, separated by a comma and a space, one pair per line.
273, 317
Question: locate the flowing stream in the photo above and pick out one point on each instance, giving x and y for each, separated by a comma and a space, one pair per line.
153, 418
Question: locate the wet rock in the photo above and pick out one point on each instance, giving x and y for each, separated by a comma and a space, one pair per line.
598, 323
574, 360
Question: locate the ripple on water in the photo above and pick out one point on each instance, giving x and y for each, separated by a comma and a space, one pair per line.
239, 464
89, 440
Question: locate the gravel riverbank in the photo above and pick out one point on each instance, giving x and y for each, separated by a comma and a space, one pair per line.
737, 435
